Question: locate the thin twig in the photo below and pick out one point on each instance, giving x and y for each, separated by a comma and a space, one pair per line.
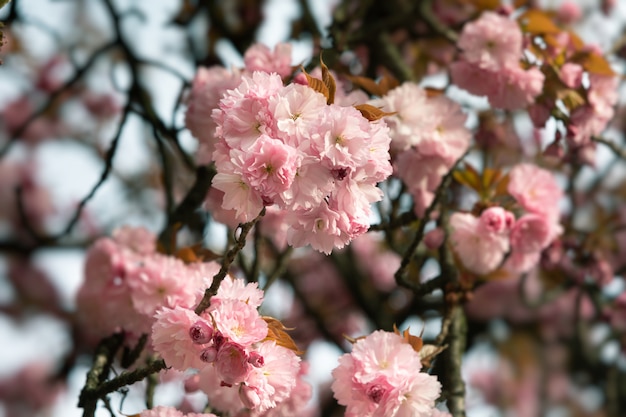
228, 259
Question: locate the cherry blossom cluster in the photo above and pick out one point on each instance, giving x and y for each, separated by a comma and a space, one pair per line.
285, 146
508, 61
492, 47
513, 237
381, 377
428, 137
241, 357
210, 84
127, 280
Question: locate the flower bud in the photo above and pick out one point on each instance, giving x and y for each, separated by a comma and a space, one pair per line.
231, 363
209, 354
200, 333
256, 359
192, 384
249, 396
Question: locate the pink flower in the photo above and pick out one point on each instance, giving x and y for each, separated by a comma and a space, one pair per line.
381, 378
138, 239
516, 87
237, 289
476, 80
160, 280
321, 227
296, 111
569, 12
434, 238
170, 338
479, 250
496, 220
238, 196
422, 174
415, 397
243, 113
221, 397
571, 74
258, 57
531, 233
536, 190
231, 363
409, 102
435, 126
491, 42
296, 404
161, 411
238, 321
208, 87
270, 167
508, 88
276, 379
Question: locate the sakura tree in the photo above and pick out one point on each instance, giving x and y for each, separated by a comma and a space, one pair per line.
298, 208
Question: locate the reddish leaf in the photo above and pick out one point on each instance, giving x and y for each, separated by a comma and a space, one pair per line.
468, 177
276, 331
594, 63
537, 22
316, 84
370, 86
329, 82
485, 4
372, 113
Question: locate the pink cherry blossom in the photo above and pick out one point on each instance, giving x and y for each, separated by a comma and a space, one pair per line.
536, 190
237, 289
496, 220
423, 175
238, 196
571, 74
209, 84
516, 88
381, 377
221, 397
170, 338
231, 363
491, 42
415, 397
321, 227
138, 239
160, 280
296, 111
479, 250
259, 57
276, 379
238, 321
270, 167
531, 233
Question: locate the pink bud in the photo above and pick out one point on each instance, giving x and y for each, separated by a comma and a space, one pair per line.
571, 74
192, 383
249, 396
494, 220
218, 339
209, 354
300, 79
256, 360
434, 238
201, 333
231, 363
